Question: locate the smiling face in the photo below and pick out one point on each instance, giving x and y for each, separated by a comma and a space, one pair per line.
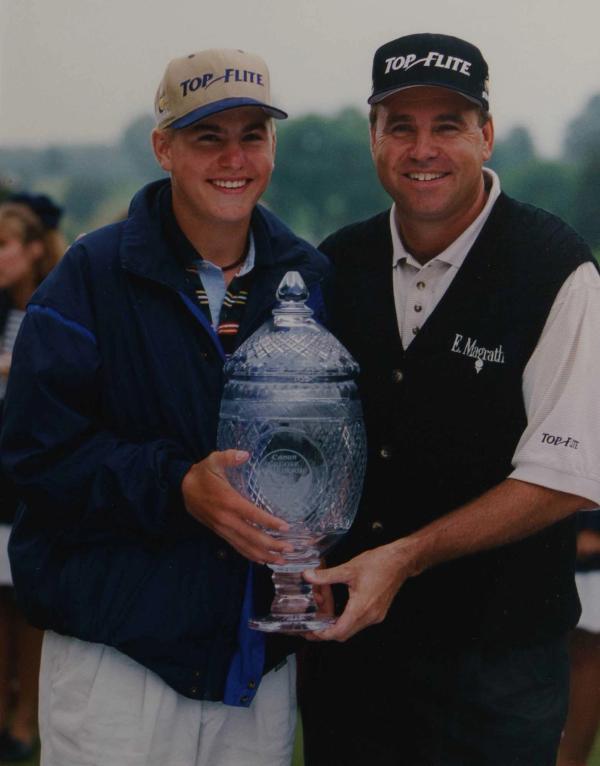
429, 148
219, 166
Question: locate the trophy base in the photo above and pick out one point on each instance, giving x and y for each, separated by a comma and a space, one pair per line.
291, 623
294, 609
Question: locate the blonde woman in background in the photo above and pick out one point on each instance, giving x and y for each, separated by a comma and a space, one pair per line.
30, 246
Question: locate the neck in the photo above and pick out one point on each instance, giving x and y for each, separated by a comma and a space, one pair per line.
221, 243
425, 239
424, 244
220, 248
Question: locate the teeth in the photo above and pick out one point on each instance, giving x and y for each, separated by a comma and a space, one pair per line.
230, 184
425, 176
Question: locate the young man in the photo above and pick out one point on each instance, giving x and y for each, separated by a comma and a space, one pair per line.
132, 550
473, 319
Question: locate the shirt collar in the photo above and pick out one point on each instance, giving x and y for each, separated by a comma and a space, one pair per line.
247, 265
456, 252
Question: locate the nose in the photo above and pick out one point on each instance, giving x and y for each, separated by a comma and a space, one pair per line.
232, 155
424, 146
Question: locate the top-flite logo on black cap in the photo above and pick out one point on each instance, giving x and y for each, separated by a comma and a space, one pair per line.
430, 59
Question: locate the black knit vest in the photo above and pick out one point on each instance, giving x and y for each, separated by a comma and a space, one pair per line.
444, 417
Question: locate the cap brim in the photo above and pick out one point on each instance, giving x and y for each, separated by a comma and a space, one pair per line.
222, 106
377, 98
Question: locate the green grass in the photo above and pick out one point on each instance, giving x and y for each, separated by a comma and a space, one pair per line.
298, 757
595, 756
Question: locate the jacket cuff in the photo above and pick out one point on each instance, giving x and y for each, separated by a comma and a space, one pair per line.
176, 470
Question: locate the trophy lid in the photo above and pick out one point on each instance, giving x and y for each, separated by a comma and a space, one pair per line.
292, 345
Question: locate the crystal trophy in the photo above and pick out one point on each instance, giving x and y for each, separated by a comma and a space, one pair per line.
291, 401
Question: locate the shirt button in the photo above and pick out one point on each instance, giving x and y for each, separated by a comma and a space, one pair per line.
222, 554
418, 307
415, 330
385, 453
244, 700
397, 376
197, 674
252, 684
194, 690
376, 526
420, 285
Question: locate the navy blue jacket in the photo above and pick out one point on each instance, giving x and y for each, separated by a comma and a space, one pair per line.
114, 392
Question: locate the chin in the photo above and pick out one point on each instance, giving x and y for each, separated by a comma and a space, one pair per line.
235, 215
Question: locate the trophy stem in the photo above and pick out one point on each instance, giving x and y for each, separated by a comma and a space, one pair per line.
293, 608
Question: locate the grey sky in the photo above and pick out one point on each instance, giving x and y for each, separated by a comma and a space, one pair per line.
80, 70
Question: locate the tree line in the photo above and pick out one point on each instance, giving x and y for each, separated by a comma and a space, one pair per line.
324, 177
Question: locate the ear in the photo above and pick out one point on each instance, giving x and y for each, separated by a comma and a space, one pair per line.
372, 137
161, 145
488, 138
272, 135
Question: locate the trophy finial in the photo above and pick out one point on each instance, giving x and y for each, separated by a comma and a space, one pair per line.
292, 295
292, 288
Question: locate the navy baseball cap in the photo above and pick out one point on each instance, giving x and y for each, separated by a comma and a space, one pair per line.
430, 59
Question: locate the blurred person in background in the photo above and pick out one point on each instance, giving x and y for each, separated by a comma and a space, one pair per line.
584, 649
30, 246
131, 548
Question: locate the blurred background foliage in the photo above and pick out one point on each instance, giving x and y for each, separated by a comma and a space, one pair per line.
324, 177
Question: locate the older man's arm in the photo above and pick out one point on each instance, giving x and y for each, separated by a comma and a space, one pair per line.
509, 512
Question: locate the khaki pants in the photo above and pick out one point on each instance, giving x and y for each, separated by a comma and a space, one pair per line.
100, 708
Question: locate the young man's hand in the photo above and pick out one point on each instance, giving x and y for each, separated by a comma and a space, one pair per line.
209, 497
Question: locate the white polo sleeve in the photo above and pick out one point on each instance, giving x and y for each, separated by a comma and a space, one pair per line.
560, 447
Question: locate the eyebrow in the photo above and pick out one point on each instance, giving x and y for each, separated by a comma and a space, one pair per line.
214, 128
450, 117
446, 117
256, 126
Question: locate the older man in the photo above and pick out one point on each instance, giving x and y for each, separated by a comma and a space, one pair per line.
132, 550
474, 319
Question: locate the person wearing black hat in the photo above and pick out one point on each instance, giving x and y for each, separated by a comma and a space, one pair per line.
473, 318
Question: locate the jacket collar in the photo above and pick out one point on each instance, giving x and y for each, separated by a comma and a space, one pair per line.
144, 247
145, 251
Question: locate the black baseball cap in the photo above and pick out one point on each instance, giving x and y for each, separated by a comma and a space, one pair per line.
430, 59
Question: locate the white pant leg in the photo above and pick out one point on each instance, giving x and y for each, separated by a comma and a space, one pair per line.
588, 587
100, 708
261, 735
